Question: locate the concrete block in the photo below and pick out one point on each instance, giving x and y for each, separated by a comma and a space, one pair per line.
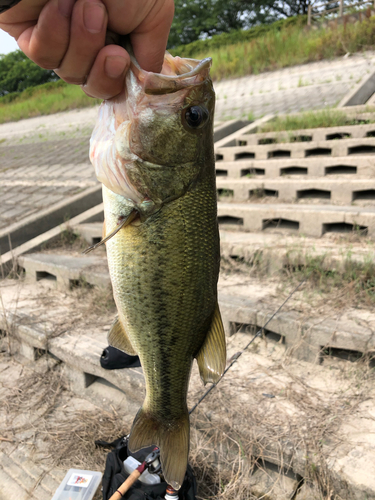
309, 492
90, 232
78, 380
296, 150
308, 135
227, 128
66, 270
27, 351
361, 93
309, 220
326, 189
349, 167
231, 139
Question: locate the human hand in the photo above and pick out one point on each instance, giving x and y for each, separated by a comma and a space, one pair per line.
68, 36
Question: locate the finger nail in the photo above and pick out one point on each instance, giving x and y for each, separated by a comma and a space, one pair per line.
66, 7
93, 16
115, 66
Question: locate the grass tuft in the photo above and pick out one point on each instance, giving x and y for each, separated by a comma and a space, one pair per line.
312, 119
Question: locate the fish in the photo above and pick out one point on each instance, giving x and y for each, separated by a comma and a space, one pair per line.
152, 149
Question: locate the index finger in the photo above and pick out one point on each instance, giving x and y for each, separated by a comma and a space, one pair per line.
149, 39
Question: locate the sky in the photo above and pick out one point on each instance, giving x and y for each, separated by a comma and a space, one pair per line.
7, 43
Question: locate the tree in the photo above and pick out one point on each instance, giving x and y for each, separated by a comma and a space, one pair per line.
17, 73
196, 19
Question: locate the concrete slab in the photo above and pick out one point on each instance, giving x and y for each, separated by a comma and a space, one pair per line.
273, 251
341, 167
307, 135
9, 259
309, 220
41, 221
65, 270
361, 93
297, 150
323, 190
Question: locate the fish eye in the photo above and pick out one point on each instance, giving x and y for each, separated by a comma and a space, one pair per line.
196, 116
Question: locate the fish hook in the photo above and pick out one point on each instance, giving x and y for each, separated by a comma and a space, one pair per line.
133, 214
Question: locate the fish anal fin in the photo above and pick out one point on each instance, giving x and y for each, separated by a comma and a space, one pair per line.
117, 337
212, 356
172, 439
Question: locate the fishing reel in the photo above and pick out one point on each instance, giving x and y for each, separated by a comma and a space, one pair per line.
153, 462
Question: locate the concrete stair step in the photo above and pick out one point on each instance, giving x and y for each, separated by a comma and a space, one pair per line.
245, 305
309, 220
349, 167
295, 150
68, 271
90, 232
273, 252
325, 189
309, 135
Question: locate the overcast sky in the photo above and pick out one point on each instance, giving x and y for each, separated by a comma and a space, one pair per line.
7, 43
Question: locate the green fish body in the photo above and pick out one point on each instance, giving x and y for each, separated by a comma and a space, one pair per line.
158, 173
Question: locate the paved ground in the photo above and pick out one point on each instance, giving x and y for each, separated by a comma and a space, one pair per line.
39, 174
307, 86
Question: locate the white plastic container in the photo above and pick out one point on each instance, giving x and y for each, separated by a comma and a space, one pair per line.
78, 485
130, 464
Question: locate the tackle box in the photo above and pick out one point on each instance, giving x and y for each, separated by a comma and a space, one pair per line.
78, 485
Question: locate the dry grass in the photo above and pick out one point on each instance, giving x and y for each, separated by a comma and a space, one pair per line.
338, 282
41, 414
237, 430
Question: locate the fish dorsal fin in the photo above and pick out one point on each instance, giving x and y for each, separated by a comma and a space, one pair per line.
117, 337
212, 356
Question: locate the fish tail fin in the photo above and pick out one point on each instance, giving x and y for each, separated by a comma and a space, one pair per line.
171, 438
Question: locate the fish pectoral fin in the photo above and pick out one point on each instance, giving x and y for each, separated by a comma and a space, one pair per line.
117, 337
125, 222
172, 438
212, 356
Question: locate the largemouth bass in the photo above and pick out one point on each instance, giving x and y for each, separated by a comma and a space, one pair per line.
152, 149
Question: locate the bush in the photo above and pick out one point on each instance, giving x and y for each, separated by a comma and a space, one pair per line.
18, 73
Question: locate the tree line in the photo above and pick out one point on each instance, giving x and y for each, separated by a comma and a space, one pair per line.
194, 20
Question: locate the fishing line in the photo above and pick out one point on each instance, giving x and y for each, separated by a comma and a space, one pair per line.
239, 354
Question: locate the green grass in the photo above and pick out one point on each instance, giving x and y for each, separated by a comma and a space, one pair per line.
288, 47
44, 100
312, 119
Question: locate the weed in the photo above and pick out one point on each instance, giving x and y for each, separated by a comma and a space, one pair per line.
355, 280
312, 119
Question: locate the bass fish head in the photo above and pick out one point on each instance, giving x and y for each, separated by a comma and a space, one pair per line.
156, 138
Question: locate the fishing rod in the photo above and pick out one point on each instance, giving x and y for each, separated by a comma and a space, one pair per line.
239, 354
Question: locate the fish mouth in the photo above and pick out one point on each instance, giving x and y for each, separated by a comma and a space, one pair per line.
177, 74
